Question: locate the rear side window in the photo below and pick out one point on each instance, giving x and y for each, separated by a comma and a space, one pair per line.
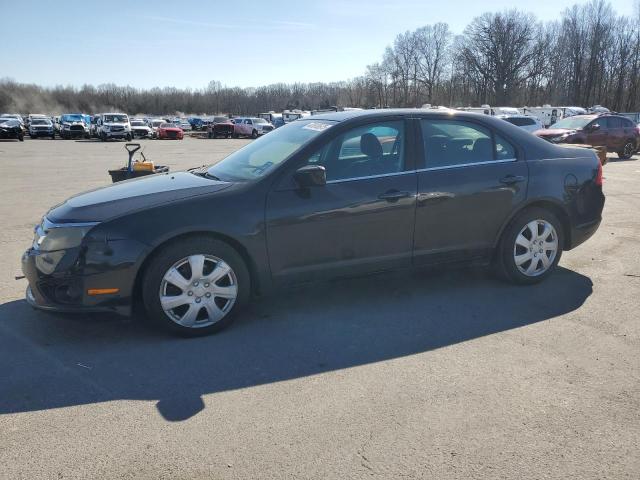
449, 143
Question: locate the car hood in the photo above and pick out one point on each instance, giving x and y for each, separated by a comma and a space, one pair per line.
553, 132
133, 195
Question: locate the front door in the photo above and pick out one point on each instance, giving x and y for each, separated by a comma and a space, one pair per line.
361, 221
471, 183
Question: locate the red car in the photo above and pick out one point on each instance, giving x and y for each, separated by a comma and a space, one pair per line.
170, 131
614, 132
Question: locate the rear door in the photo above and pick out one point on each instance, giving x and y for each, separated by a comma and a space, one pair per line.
471, 181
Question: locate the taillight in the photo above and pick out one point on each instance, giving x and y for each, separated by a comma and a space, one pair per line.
599, 179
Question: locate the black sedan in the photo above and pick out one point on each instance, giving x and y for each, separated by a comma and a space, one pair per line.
341, 194
11, 128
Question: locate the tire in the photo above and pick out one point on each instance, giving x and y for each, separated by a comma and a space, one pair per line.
174, 256
53, 137
21, 138
511, 258
254, 134
129, 137
234, 135
103, 137
627, 151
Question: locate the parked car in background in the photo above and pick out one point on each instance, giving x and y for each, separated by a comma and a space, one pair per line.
10, 127
549, 115
41, 127
170, 131
220, 126
197, 123
114, 125
93, 127
184, 125
140, 129
154, 124
296, 206
14, 116
530, 124
251, 127
73, 125
614, 132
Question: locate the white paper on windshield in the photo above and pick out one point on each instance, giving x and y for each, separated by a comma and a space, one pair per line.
317, 126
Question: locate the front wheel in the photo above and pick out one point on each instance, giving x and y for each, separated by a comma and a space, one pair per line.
531, 247
196, 286
627, 151
254, 134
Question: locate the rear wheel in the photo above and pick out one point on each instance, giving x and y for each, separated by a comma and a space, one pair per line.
627, 151
531, 247
196, 286
254, 134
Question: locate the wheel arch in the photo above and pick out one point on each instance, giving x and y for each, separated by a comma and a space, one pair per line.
554, 207
233, 243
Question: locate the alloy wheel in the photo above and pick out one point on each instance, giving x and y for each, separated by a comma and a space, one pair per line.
535, 248
198, 291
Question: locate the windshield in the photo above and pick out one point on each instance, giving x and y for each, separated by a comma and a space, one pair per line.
156, 123
259, 120
72, 118
167, 125
259, 157
220, 119
40, 121
572, 123
115, 119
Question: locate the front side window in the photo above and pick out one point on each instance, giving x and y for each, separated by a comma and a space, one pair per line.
374, 149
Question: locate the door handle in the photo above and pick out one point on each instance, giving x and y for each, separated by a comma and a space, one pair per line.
393, 195
512, 179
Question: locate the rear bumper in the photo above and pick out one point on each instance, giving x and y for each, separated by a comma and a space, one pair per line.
582, 233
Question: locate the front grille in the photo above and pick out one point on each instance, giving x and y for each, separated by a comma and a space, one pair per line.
172, 134
117, 129
76, 128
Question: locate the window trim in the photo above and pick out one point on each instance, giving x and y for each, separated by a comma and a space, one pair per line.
462, 165
381, 175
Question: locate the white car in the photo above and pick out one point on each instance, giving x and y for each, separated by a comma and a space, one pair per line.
114, 125
41, 127
154, 124
525, 122
140, 128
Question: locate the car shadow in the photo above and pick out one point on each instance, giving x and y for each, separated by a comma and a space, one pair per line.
52, 361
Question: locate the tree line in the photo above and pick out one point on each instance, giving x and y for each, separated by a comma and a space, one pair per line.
590, 55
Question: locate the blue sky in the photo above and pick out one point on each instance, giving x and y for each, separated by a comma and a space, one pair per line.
239, 42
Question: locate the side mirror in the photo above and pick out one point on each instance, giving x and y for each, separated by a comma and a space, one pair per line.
594, 127
311, 176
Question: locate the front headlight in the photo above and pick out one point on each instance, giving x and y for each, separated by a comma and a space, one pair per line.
52, 240
50, 237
